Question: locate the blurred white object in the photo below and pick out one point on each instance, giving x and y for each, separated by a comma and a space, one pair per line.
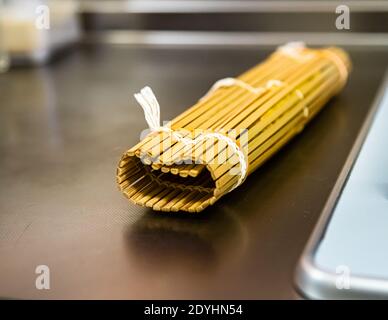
4, 58
32, 29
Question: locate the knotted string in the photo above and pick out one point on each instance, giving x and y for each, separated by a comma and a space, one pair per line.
230, 82
296, 50
151, 108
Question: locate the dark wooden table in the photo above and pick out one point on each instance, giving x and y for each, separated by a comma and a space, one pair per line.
63, 128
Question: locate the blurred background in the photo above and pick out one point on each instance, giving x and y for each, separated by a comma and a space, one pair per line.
24, 36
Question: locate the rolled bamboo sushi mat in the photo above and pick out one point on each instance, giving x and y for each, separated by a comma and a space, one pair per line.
211, 148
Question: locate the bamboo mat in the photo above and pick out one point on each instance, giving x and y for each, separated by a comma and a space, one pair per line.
259, 111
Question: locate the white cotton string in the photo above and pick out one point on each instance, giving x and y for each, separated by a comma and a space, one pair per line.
273, 83
343, 70
232, 144
300, 95
296, 51
151, 108
230, 82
